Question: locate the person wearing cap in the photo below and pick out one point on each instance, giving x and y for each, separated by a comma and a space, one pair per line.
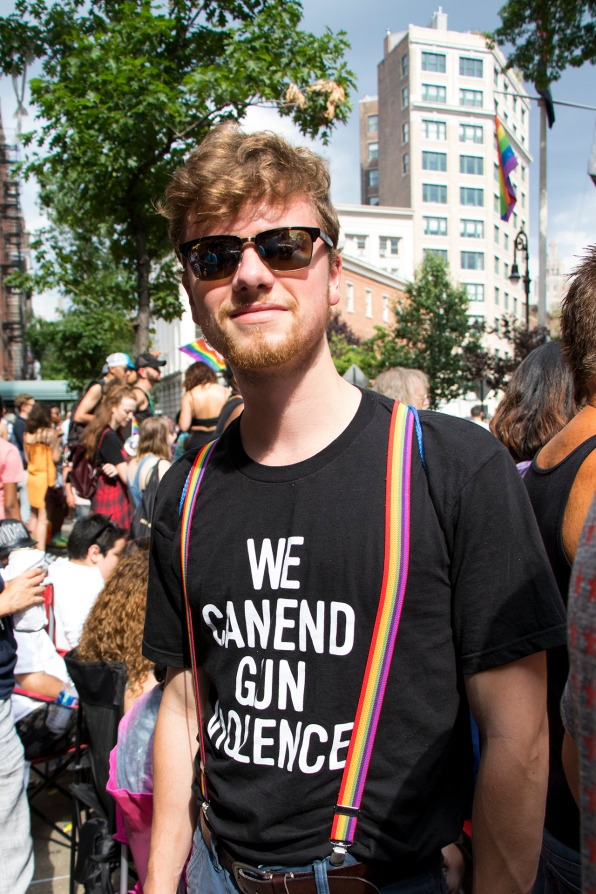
16, 846
118, 366
148, 368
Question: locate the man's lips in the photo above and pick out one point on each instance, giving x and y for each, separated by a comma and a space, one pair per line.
258, 310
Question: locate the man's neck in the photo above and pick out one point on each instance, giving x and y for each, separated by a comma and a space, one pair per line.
289, 418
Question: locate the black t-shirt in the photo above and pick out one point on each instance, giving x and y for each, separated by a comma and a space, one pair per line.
285, 571
110, 449
8, 653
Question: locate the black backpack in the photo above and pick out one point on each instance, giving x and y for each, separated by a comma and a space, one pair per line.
140, 528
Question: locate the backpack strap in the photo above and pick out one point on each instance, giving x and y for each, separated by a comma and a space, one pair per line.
393, 589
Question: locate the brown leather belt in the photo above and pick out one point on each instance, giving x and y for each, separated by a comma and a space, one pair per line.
357, 878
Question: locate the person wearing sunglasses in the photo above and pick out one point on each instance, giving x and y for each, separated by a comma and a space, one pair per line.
279, 532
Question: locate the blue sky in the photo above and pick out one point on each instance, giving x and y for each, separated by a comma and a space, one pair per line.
571, 194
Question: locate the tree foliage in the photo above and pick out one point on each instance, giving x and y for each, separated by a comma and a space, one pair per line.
127, 88
432, 332
547, 36
496, 369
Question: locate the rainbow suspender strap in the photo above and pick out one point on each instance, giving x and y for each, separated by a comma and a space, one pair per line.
395, 573
393, 589
186, 509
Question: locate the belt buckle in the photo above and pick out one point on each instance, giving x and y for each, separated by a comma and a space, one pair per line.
254, 874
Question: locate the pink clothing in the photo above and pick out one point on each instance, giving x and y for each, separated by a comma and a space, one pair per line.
11, 469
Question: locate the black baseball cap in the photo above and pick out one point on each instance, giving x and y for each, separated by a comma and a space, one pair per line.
13, 535
148, 359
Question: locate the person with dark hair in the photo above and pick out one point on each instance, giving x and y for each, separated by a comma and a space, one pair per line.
561, 481
104, 448
538, 403
289, 533
42, 452
148, 368
94, 548
202, 402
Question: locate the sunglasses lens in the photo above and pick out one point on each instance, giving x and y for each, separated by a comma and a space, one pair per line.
285, 249
215, 258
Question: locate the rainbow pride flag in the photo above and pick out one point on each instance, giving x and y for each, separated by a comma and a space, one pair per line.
507, 162
203, 352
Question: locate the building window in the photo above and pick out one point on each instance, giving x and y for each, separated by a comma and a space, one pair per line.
496, 77
405, 132
506, 300
469, 195
496, 235
350, 297
372, 178
435, 226
472, 260
436, 253
373, 151
434, 192
471, 164
496, 265
496, 205
515, 219
523, 167
496, 296
523, 116
405, 162
470, 98
404, 64
472, 229
373, 124
404, 97
368, 303
434, 62
515, 307
471, 133
385, 313
434, 130
475, 291
515, 103
476, 319
496, 175
373, 200
356, 241
523, 200
388, 245
470, 68
434, 161
506, 240
434, 93
506, 270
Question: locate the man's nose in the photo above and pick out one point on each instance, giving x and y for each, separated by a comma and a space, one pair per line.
252, 269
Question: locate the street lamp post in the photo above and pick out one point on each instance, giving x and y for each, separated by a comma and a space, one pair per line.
521, 245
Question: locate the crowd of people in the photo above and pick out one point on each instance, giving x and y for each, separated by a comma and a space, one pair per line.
391, 720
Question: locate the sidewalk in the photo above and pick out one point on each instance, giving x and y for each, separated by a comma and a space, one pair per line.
52, 851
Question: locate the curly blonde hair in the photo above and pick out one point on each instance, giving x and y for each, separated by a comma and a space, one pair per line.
113, 630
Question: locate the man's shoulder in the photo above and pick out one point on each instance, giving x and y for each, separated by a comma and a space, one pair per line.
10, 458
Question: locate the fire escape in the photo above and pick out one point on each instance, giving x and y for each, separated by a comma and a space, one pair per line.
15, 361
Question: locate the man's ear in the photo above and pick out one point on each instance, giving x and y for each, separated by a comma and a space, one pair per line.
94, 553
335, 280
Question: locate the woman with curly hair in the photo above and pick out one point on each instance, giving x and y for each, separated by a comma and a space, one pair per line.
104, 448
538, 402
42, 452
113, 630
201, 404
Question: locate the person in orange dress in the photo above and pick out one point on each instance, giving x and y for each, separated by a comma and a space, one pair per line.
42, 452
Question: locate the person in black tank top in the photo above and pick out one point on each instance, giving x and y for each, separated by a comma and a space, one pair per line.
561, 482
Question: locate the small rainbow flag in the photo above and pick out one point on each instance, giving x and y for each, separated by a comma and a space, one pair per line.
203, 352
135, 426
507, 162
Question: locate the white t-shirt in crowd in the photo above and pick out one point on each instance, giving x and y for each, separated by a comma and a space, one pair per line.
35, 654
76, 588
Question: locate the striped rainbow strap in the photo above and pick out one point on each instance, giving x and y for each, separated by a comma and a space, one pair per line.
395, 575
185, 510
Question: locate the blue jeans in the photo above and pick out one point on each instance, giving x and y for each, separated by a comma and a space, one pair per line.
16, 846
559, 871
204, 875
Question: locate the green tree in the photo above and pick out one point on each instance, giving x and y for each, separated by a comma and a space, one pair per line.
432, 332
127, 87
547, 36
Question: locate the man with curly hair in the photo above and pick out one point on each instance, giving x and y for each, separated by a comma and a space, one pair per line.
284, 570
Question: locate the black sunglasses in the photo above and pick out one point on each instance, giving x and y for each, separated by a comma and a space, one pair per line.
285, 248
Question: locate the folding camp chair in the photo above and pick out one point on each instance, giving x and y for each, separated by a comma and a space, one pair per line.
100, 685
